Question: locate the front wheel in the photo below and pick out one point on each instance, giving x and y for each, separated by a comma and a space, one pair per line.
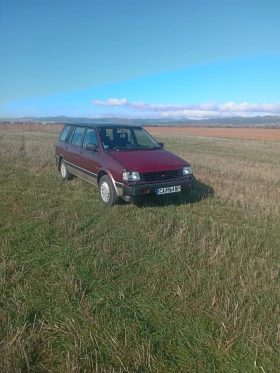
107, 191
65, 174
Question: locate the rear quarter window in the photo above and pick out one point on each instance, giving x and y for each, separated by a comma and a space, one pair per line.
64, 133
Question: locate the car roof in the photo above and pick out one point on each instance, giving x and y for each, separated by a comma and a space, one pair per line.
102, 124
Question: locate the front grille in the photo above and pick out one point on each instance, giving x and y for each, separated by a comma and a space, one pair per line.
161, 175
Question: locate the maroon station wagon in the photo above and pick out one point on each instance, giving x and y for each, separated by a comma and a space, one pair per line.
124, 161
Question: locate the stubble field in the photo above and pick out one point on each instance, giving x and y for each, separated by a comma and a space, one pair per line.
189, 284
233, 133
270, 134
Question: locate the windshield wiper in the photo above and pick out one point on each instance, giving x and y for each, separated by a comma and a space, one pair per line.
127, 148
121, 148
149, 147
137, 147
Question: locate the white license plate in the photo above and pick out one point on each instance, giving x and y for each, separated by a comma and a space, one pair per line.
167, 190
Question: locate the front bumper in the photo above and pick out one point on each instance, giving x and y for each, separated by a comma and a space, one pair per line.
150, 188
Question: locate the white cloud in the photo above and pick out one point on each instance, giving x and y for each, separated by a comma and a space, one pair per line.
207, 110
111, 102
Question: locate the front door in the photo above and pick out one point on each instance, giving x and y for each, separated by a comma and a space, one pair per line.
89, 160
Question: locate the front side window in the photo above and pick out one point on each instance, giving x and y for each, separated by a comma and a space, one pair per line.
90, 138
65, 132
77, 136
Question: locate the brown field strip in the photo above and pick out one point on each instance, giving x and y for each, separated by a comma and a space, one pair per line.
19, 126
269, 134
234, 133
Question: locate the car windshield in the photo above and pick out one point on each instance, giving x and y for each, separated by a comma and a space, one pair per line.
126, 138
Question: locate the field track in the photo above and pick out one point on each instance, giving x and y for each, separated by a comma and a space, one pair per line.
234, 133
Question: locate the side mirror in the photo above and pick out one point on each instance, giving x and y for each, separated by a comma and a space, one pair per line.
161, 144
92, 147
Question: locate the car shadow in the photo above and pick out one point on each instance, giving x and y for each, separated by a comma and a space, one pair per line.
197, 193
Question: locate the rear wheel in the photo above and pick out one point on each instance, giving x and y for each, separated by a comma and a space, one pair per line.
65, 174
107, 191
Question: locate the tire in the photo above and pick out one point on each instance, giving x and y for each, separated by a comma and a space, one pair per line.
65, 174
107, 191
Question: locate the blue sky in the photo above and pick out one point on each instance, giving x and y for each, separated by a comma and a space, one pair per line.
148, 58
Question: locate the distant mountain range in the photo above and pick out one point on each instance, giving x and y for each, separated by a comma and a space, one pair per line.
258, 121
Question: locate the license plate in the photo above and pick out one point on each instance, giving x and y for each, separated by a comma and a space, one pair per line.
167, 190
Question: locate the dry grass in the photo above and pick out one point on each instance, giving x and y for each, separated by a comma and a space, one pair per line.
232, 133
183, 285
246, 173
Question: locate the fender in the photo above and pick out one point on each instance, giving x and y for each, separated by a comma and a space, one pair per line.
117, 186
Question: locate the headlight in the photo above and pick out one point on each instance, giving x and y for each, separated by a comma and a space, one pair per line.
131, 176
187, 170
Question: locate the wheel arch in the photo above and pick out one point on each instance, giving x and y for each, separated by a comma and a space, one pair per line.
107, 173
60, 158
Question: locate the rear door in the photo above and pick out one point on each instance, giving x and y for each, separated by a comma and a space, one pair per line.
62, 144
75, 147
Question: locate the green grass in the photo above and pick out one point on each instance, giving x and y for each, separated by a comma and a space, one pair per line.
187, 284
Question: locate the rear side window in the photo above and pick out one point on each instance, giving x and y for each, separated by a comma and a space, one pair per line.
64, 133
77, 136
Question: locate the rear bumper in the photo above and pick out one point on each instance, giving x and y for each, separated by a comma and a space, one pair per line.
143, 189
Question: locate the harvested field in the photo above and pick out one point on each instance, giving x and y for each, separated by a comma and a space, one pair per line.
21, 126
233, 133
188, 283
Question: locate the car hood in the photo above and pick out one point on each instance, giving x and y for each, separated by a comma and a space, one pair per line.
148, 160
